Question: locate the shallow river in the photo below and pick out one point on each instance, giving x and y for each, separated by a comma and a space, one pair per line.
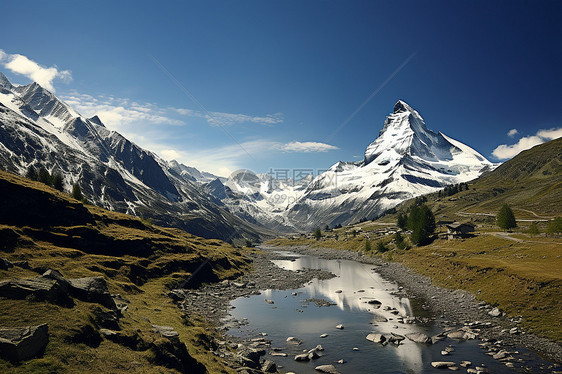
293, 315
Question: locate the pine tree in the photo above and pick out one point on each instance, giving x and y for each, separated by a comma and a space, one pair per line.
57, 181
402, 221
31, 173
506, 218
77, 192
317, 234
43, 176
555, 226
422, 223
399, 240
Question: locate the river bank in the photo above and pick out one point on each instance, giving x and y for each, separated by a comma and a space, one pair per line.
452, 308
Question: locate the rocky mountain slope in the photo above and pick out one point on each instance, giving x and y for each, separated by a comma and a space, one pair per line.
39, 129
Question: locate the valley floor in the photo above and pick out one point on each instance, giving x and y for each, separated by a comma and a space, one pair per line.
520, 275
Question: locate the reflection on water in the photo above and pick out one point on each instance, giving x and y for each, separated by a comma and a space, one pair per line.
354, 285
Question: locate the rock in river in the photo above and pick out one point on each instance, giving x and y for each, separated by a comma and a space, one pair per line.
330, 369
418, 337
293, 340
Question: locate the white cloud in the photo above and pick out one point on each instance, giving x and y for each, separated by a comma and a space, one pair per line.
307, 147
117, 112
504, 151
228, 119
44, 76
511, 133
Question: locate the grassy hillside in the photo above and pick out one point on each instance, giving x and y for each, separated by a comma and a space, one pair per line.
41, 228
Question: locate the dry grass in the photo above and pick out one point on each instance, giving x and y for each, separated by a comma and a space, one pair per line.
140, 261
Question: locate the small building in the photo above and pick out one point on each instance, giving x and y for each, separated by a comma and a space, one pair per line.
459, 230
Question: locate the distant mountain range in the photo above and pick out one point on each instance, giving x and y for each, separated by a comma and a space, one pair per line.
405, 160
39, 129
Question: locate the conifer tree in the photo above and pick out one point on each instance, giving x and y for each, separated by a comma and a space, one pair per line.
77, 192
57, 181
31, 173
534, 229
43, 176
506, 218
422, 223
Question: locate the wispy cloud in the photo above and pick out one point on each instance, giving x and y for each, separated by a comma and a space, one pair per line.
226, 159
511, 133
44, 76
504, 151
117, 112
230, 119
307, 147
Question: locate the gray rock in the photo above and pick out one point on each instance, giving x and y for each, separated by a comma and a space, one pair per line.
377, 318
313, 355
501, 354
419, 337
293, 340
442, 364
92, 289
302, 357
269, 301
340, 326
41, 288
457, 335
376, 338
167, 332
330, 369
269, 366
23, 343
495, 312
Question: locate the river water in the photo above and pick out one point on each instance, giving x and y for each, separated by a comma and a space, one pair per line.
294, 314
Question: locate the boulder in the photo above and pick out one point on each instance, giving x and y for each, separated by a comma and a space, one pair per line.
418, 337
167, 332
377, 318
330, 369
340, 326
23, 343
293, 340
40, 288
92, 289
442, 364
313, 354
269, 367
302, 357
495, 312
457, 335
376, 338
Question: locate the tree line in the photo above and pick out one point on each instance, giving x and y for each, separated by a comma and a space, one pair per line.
54, 179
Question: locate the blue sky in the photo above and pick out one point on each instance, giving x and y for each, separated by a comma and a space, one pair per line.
222, 85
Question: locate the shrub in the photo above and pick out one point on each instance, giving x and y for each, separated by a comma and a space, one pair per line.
367, 246
381, 247
317, 233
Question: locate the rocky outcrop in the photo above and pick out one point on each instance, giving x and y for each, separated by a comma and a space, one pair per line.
92, 289
39, 288
23, 343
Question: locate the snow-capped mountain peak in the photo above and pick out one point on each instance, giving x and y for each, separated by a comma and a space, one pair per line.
407, 159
